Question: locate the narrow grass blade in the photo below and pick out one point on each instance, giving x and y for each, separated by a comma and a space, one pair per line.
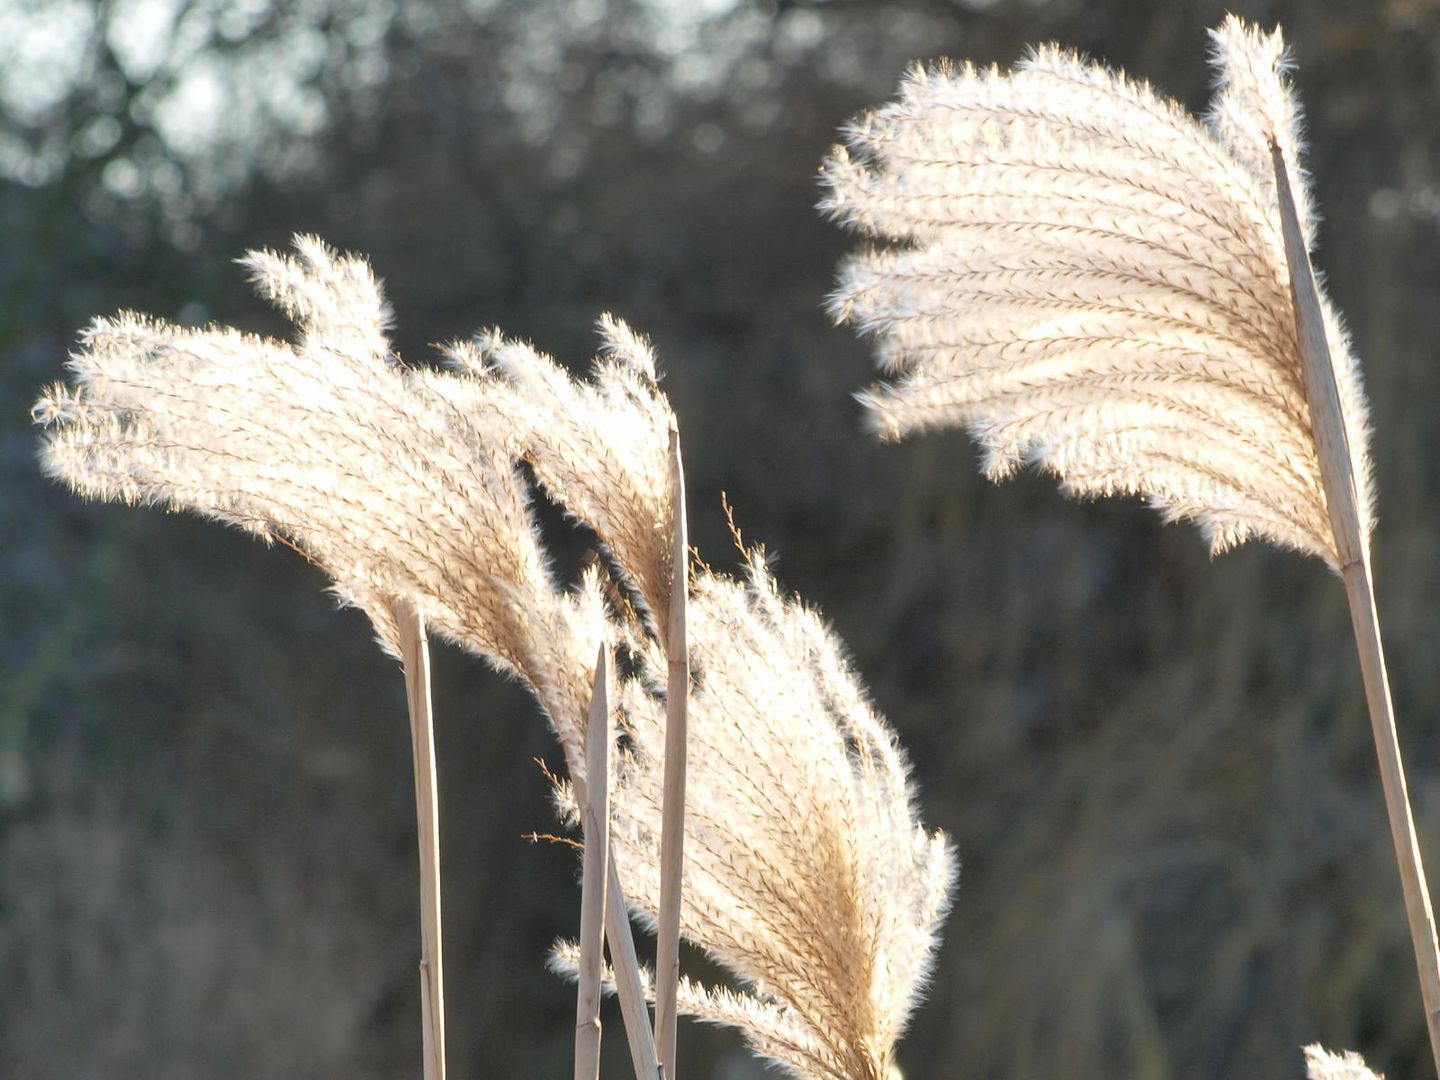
1336, 473
628, 985
415, 654
596, 824
1365, 619
1327, 420
672, 837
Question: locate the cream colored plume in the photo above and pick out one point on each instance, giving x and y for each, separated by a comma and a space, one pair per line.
600, 448
1320, 1064
1088, 278
808, 875
399, 483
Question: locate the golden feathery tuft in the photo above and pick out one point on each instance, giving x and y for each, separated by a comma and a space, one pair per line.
808, 875
1089, 278
1321, 1064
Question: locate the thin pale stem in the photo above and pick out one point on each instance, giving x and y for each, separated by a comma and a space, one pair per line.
596, 824
672, 814
415, 654
629, 987
1327, 423
1360, 591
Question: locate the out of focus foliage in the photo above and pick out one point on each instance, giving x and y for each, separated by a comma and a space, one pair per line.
1157, 769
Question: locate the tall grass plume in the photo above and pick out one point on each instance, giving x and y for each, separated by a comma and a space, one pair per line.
1091, 280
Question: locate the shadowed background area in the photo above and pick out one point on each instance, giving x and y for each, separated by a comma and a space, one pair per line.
1156, 767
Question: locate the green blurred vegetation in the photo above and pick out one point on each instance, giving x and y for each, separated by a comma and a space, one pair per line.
1156, 767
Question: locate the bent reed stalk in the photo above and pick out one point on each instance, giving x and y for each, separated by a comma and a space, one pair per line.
1336, 471
1089, 279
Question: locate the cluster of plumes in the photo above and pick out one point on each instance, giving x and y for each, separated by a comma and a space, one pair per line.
1320, 1064
808, 874
1087, 277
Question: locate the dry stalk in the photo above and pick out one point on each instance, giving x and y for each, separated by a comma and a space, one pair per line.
628, 985
596, 824
1328, 424
415, 654
672, 846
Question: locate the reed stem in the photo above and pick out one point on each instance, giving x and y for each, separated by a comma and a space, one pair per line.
628, 986
1327, 422
672, 815
415, 655
596, 825
1359, 589
624, 962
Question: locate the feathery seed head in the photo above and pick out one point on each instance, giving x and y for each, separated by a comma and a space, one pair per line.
1254, 103
1320, 1064
1089, 279
399, 484
808, 875
334, 299
599, 448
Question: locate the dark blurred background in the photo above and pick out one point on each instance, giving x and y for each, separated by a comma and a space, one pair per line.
1156, 766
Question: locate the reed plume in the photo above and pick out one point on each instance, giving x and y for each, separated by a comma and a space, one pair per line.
1320, 1064
599, 448
1089, 279
807, 873
398, 482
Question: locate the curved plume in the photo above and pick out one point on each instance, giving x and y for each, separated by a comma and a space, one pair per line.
1321, 1064
600, 448
332, 446
808, 875
1088, 278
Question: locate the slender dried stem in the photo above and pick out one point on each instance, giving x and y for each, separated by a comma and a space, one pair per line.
415, 653
1328, 423
1364, 618
672, 837
629, 987
596, 824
